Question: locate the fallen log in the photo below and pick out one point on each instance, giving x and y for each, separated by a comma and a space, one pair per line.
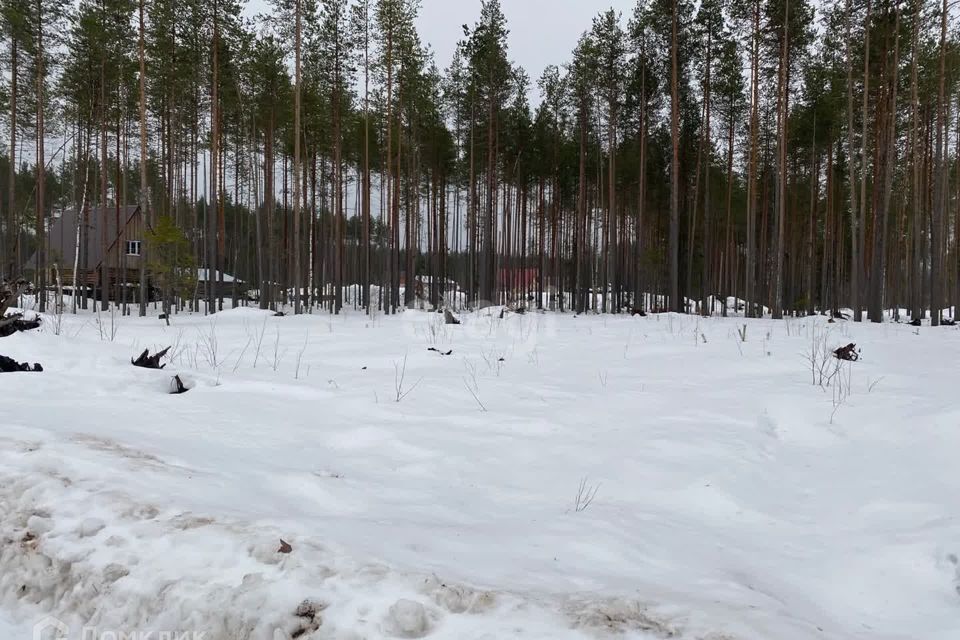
16, 322
9, 365
148, 361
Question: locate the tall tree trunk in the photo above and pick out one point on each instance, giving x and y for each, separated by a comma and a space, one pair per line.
728, 281
366, 156
144, 200
297, 279
674, 240
81, 218
580, 228
940, 167
751, 239
104, 220
852, 166
782, 115
705, 288
889, 159
611, 231
41, 170
9, 265
212, 226
862, 215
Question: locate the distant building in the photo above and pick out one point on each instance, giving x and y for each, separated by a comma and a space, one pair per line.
111, 241
218, 277
518, 278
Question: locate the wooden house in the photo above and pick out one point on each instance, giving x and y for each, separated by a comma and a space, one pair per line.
110, 241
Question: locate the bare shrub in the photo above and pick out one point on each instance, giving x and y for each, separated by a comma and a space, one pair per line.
399, 377
586, 493
209, 346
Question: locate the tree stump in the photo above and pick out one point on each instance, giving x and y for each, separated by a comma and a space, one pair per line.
9, 325
848, 353
176, 386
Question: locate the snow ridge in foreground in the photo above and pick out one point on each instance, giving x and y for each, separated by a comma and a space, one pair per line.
104, 579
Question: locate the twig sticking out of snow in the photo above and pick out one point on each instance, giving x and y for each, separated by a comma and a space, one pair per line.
400, 373
586, 493
474, 391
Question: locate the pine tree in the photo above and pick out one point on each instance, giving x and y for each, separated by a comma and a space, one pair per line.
610, 48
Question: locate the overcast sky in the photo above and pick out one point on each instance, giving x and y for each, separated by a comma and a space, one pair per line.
542, 32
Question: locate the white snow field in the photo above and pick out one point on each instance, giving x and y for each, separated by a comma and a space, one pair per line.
732, 498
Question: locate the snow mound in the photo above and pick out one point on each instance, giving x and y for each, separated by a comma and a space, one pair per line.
408, 619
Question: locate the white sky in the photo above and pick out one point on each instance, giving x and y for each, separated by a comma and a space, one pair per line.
542, 32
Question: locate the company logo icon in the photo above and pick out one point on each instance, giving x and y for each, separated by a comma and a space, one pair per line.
50, 628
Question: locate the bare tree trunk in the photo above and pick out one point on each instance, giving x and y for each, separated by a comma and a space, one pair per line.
81, 218
212, 226
13, 219
890, 159
852, 164
705, 288
751, 239
611, 227
41, 170
940, 167
674, 241
862, 216
392, 258
782, 114
811, 252
144, 200
366, 156
916, 270
297, 280
727, 280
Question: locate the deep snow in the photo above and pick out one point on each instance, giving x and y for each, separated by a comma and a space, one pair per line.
734, 498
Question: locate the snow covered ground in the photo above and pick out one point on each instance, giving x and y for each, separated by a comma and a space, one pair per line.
732, 498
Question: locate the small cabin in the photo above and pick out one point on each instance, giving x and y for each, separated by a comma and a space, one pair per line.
110, 240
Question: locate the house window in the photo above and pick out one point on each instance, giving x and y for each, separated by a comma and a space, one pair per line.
133, 247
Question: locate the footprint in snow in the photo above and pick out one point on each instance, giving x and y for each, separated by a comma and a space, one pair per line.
955, 561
